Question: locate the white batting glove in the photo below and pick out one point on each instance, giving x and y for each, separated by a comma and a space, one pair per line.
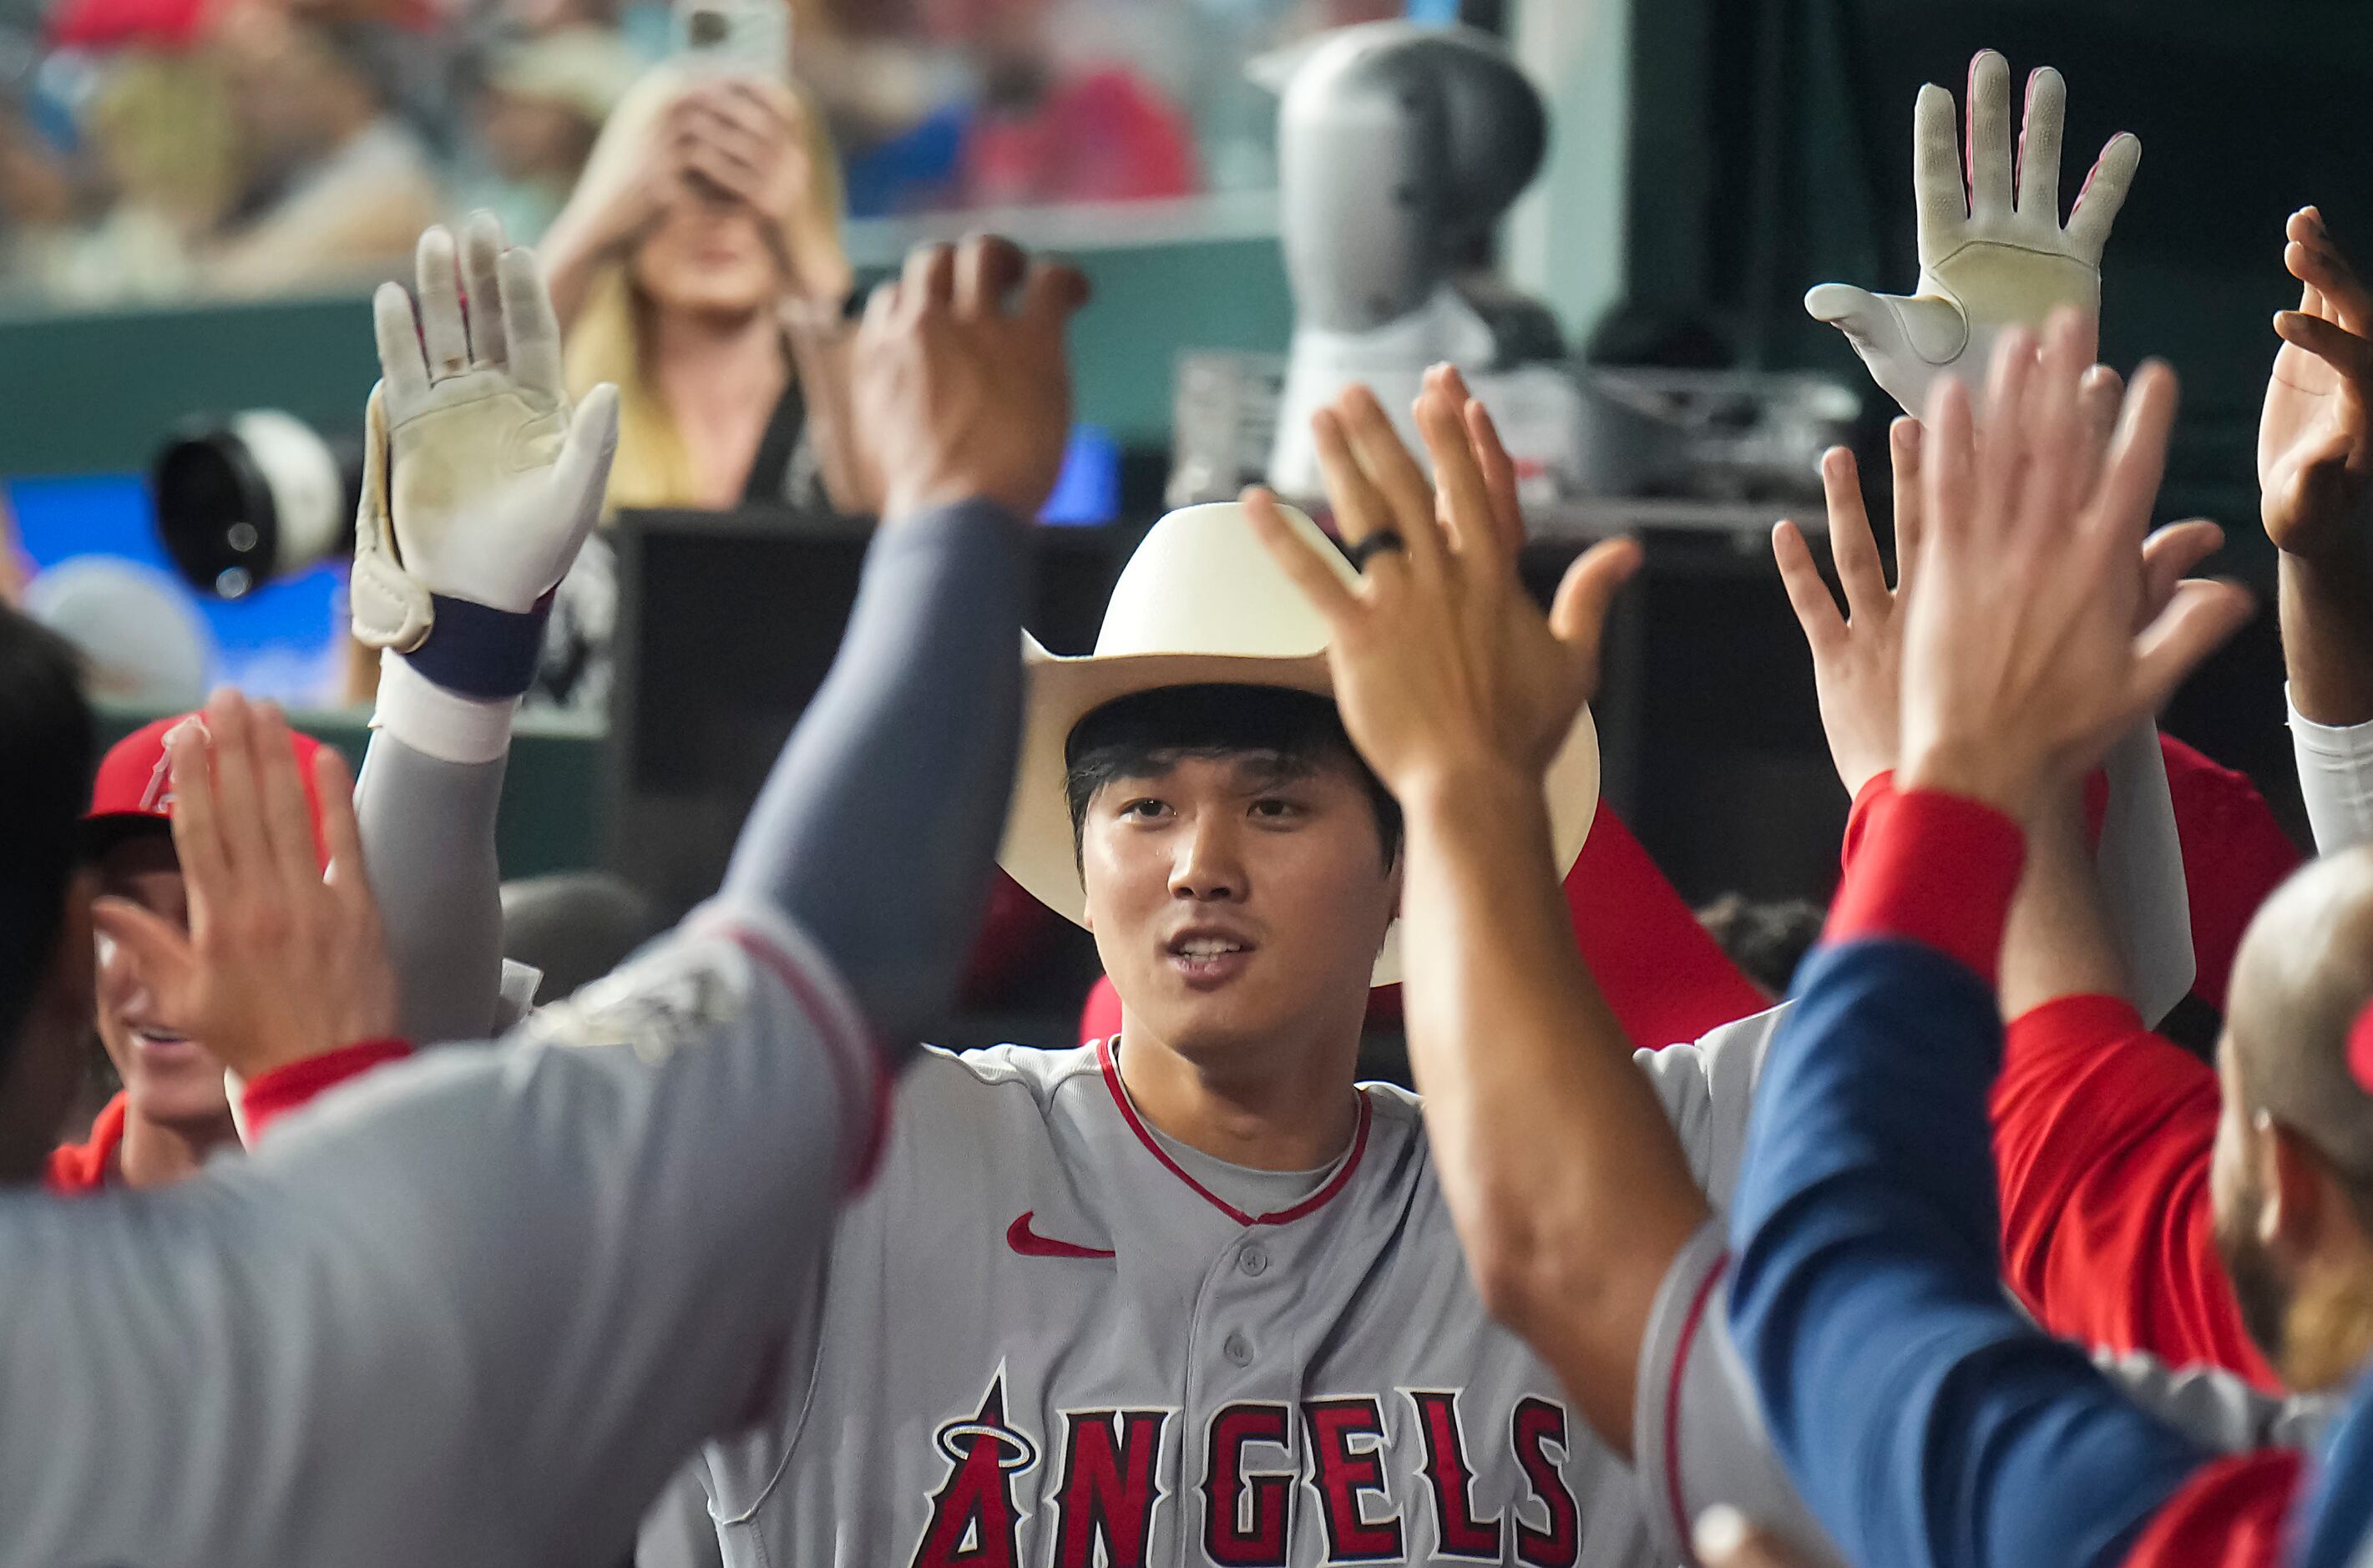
478, 490
1993, 253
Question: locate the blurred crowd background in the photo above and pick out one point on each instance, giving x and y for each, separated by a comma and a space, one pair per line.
172, 148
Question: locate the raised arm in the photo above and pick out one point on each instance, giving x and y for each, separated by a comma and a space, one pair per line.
480, 484
2315, 478
1924, 1418
1570, 1191
481, 1306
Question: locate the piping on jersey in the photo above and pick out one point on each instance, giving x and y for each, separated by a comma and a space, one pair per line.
1315, 1202
1673, 1396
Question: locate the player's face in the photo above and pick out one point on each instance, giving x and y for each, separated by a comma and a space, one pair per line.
1237, 910
168, 1078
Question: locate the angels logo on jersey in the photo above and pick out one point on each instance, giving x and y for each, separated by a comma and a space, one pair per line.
1259, 1464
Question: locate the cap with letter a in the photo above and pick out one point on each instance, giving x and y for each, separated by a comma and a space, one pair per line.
133, 793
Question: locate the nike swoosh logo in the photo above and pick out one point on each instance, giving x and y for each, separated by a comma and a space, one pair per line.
1030, 1243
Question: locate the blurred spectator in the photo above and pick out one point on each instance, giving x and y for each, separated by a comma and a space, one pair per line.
709, 209
699, 266
543, 105
336, 181
1052, 126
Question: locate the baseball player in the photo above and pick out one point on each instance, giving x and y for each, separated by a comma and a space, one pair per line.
474, 1308
1865, 1229
431, 782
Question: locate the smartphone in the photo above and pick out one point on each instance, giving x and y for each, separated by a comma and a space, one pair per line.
739, 38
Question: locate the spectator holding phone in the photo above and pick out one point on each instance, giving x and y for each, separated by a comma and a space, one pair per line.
699, 266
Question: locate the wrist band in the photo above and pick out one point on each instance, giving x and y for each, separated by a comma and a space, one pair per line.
436, 721
475, 651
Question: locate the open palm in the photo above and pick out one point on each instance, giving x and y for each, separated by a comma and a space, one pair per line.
2315, 439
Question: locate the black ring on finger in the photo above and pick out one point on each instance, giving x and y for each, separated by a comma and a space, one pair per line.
1382, 541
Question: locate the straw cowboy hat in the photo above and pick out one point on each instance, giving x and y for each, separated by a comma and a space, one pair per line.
1202, 602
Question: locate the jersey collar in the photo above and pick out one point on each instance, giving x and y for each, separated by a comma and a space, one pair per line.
1107, 1063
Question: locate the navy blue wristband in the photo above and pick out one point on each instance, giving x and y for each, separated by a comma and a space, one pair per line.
480, 651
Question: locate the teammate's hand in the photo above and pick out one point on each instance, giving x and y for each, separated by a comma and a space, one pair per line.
1725, 1539
477, 485
282, 961
957, 397
1857, 657
2315, 437
1441, 661
2021, 656
1992, 252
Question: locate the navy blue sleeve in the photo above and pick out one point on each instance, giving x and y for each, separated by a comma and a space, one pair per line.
1923, 1418
878, 829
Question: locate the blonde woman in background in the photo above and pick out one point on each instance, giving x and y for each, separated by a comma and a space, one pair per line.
699, 266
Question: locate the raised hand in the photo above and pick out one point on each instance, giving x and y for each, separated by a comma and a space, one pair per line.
2021, 656
1994, 254
282, 961
478, 485
1440, 660
957, 396
2315, 436
1858, 657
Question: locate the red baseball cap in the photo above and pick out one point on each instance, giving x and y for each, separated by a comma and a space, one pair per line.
134, 792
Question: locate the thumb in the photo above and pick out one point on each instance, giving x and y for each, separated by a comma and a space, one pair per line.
581, 479
167, 961
2171, 555
2201, 615
1869, 321
1578, 614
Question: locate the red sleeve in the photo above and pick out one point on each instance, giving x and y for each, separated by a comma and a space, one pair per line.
2102, 1133
1664, 975
2234, 855
1933, 868
275, 1093
2233, 1514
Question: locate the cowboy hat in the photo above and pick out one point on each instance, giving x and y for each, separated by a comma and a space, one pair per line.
1202, 602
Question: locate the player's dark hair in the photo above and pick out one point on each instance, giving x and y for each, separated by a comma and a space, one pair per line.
47, 745
1288, 733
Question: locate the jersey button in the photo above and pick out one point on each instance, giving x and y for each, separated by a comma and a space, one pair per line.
1254, 1260
1238, 1349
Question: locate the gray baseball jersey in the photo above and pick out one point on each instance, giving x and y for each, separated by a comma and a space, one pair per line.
1039, 1339
472, 1309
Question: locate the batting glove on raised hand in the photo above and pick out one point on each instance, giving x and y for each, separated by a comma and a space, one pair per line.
478, 487
1994, 254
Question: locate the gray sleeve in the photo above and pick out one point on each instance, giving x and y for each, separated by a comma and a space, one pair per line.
1698, 1437
899, 761
428, 836
476, 1308
2140, 862
1707, 1089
